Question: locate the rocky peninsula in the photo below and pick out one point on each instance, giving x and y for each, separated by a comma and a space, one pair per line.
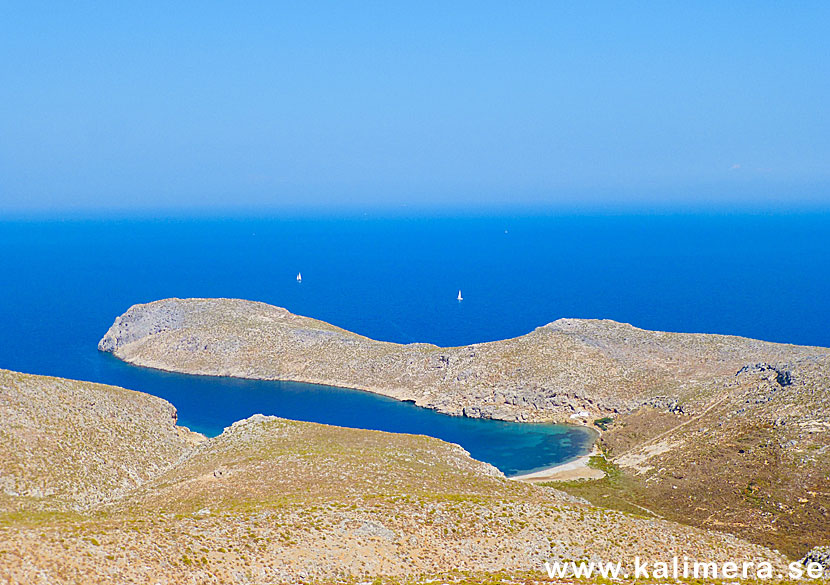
716, 431
563, 368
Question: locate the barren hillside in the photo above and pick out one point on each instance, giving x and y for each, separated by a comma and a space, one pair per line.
271, 500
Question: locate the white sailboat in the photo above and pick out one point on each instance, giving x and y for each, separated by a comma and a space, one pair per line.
460, 298
299, 277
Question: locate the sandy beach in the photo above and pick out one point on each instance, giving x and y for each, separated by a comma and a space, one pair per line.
576, 469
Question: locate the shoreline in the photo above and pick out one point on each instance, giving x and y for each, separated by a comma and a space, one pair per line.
570, 470
582, 422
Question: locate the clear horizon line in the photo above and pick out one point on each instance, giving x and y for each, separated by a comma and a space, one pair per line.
418, 210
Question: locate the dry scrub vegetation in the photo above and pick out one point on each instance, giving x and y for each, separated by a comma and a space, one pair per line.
100, 486
716, 431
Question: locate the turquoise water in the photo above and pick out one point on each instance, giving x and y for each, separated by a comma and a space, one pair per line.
63, 283
207, 404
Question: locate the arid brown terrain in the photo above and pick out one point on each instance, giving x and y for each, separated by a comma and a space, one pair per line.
716, 431
99, 485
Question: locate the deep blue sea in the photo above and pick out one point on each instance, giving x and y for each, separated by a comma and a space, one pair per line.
63, 282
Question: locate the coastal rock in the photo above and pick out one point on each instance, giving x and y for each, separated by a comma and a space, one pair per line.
133, 326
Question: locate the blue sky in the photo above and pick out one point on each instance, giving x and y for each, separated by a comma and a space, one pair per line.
220, 106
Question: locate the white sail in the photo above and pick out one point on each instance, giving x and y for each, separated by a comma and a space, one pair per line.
460, 298
299, 277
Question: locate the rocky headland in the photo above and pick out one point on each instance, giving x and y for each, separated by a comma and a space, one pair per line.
716, 431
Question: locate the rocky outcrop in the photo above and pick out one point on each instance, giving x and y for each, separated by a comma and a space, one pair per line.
133, 326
